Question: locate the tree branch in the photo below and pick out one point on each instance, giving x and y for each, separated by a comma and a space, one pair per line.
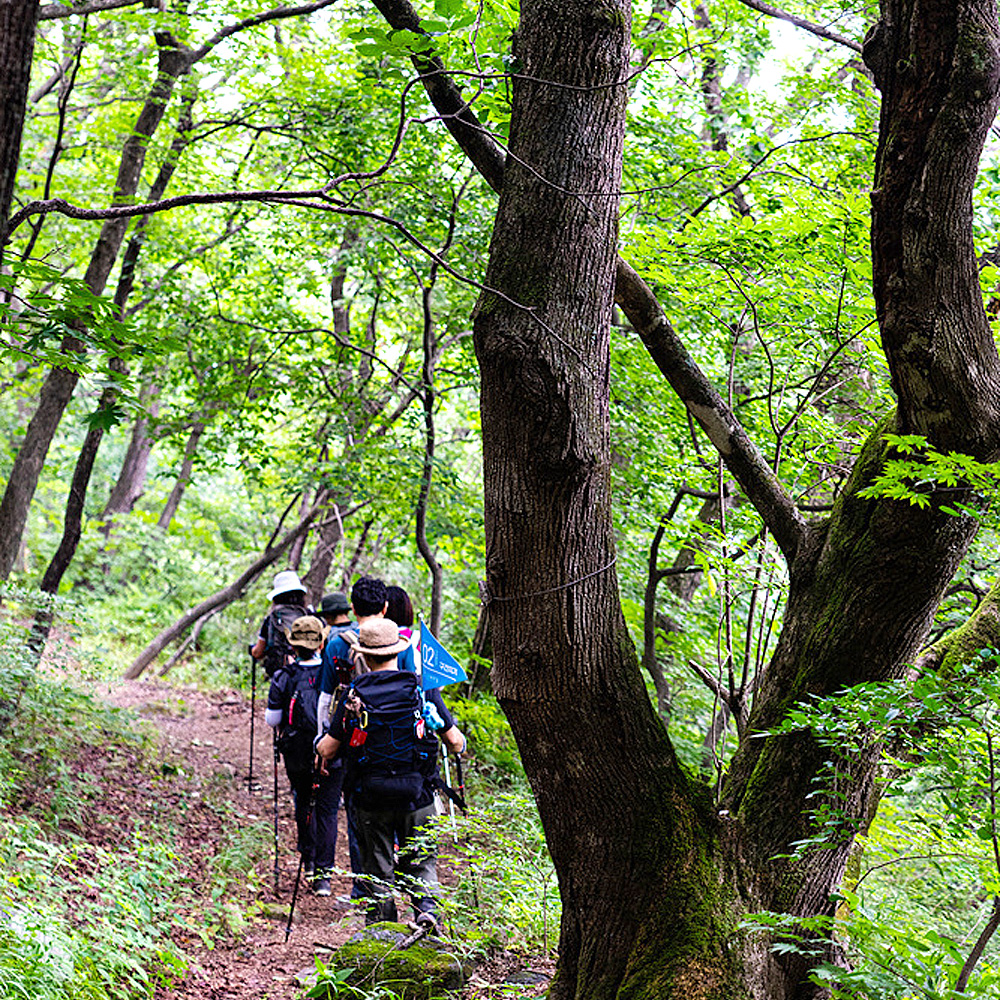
801, 22
704, 403
276, 14
52, 11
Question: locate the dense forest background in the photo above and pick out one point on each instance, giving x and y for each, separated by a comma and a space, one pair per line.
271, 364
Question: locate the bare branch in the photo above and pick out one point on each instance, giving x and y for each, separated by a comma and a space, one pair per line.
52, 11
276, 14
800, 22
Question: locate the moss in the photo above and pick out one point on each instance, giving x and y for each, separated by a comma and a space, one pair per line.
684, 948
425, 970
981, 629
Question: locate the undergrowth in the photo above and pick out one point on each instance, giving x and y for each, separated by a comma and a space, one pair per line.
93, 903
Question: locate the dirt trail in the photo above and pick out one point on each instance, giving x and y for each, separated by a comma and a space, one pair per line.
205, 762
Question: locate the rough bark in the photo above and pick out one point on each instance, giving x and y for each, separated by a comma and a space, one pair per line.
17, 44
57, 390
612, 798
652, 879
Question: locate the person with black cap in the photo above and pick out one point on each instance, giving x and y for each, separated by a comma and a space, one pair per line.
335, 610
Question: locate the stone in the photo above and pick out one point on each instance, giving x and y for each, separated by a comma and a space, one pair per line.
427, 969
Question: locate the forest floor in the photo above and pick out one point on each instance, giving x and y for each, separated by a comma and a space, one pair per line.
200, 790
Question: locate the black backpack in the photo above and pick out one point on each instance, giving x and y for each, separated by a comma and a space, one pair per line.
391, 757
277, 651
297, 730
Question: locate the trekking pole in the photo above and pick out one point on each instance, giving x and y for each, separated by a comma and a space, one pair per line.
295, 896
277, 870
461, 777
313, 793
447, 779
253, 712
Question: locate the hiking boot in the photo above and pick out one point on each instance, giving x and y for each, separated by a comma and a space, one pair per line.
309, 870
427, 920
321, 886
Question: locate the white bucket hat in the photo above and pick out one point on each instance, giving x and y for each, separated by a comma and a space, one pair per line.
285, 581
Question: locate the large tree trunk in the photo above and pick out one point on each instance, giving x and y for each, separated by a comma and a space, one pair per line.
625, 831
653, 876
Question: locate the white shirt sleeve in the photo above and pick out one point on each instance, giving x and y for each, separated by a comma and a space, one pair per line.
322, 709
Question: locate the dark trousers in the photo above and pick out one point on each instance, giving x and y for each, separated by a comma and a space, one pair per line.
317, 833
414, 870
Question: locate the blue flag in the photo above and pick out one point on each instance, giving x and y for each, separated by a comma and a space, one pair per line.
438, 667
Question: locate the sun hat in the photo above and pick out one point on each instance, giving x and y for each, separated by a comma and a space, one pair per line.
285, 582
334, 604
379, 637
307, 632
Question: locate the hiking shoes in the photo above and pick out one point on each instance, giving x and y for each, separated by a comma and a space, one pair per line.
427, 920
309, 871
321, 886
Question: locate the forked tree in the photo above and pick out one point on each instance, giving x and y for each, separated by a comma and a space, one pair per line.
654, 873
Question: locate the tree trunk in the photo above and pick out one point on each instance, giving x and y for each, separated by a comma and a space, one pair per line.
17, 44
183, 477
131, 482
428, 398
329, 537
614, 803
57, 390
653, 876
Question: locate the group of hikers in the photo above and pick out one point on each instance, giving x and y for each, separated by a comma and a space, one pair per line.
350, 719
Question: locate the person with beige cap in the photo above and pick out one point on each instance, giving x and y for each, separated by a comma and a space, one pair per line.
292, 711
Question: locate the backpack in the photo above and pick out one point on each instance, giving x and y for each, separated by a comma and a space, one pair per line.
298, 724
391, 757
277, 651
346, 667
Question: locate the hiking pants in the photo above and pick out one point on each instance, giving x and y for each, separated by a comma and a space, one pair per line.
415, 871
317, 834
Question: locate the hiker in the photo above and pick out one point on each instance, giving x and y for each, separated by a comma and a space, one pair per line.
335, 610
291, 710
391, 767
370, 599
399, 609
288, 602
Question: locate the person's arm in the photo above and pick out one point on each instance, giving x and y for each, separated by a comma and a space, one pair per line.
454, 740
259, 648
322, 711
276, 700
328, 743
327, 747
434, 697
